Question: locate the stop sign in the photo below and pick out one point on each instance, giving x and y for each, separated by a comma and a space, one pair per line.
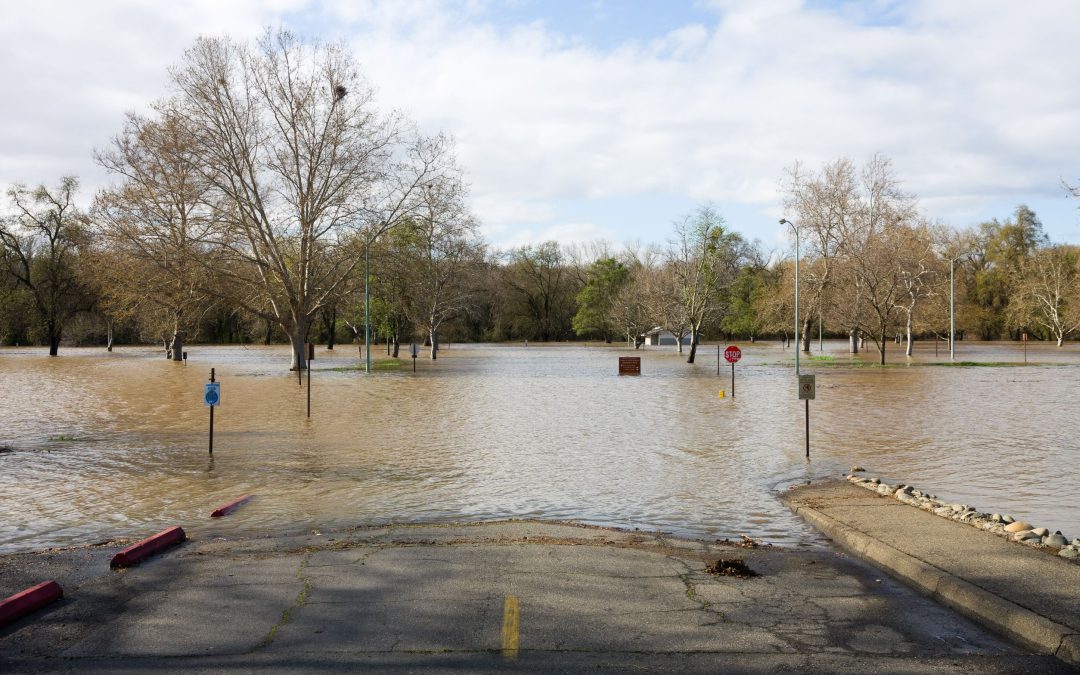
732, 354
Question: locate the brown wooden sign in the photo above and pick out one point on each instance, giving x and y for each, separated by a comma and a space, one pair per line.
629, 365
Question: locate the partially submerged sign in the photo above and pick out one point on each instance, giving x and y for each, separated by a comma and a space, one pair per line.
807, 388
629, 365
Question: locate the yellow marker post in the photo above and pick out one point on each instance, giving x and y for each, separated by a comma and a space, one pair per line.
721, 394
511, 622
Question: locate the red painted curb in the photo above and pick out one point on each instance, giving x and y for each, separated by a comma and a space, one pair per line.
226, 508
30, 600
136, 553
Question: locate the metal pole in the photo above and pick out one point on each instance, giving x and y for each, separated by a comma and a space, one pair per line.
820, 341
733, 379
718, 360
309, 388
798, 335
785, 221
952, 310
212, 418
808, 429
367, 310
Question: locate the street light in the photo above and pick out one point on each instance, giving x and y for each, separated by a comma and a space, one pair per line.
367, 310
785, 221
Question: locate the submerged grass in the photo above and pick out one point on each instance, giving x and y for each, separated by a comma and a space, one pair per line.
381, 364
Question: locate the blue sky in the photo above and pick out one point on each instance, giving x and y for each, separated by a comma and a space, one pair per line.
603, 119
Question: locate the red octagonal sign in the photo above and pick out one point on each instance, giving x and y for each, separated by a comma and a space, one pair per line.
732, 354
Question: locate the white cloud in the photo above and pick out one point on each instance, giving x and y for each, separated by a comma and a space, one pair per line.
973, 100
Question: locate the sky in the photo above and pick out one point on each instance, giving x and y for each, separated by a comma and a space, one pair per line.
596, 119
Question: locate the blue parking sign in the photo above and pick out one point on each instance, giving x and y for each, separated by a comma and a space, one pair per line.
212, 395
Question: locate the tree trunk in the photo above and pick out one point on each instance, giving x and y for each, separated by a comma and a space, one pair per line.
297, 338
693, 346
908, 350
434, 337
853, 341
881, 347
269, 331
177, 348
806, 335
331, 329
54, 337
109, 336
397, 344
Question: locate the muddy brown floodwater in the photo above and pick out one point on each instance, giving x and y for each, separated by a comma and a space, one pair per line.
106, 445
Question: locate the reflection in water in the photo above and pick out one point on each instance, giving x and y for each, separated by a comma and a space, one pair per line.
115, 444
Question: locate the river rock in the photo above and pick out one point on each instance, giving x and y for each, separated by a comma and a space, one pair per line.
1055, 540
1026, 534
996, 517
1070, 553
857, 469
1007, 519
1031, 541
1041, 531
1016, 526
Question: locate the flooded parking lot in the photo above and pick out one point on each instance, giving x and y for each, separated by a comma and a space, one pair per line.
107, 445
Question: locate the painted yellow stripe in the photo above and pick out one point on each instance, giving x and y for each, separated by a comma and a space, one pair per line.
511, 622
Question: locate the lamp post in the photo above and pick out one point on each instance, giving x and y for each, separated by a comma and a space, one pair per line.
785, 221
952, 305
367, 311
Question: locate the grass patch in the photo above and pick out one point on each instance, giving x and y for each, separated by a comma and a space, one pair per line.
823, 358
983, 364
63, 438
381, 364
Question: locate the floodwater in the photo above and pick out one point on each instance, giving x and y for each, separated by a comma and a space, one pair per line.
107, 445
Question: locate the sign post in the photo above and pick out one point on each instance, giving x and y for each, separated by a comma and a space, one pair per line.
310, 358
1024, 336
807, 392
732, 354
212, 397
629, 365
415, 350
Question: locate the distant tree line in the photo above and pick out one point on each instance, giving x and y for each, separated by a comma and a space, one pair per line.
252, 202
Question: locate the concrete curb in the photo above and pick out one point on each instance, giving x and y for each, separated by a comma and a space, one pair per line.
30, 600
1004, 616
136, 553
227, 508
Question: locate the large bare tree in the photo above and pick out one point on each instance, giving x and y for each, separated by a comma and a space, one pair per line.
300, 170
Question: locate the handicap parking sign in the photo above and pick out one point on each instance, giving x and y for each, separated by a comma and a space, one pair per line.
212, 395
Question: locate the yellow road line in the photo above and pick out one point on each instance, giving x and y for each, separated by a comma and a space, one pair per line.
511, 623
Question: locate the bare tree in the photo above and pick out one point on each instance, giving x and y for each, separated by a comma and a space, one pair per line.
155, 227
441, 244
299, 166
1048, 292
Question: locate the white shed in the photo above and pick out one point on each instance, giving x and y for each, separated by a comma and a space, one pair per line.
660, 337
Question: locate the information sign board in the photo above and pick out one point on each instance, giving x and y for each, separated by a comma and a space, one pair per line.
629, 365
807, 388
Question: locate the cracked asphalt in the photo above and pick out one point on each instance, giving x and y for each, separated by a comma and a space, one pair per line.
509, 596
